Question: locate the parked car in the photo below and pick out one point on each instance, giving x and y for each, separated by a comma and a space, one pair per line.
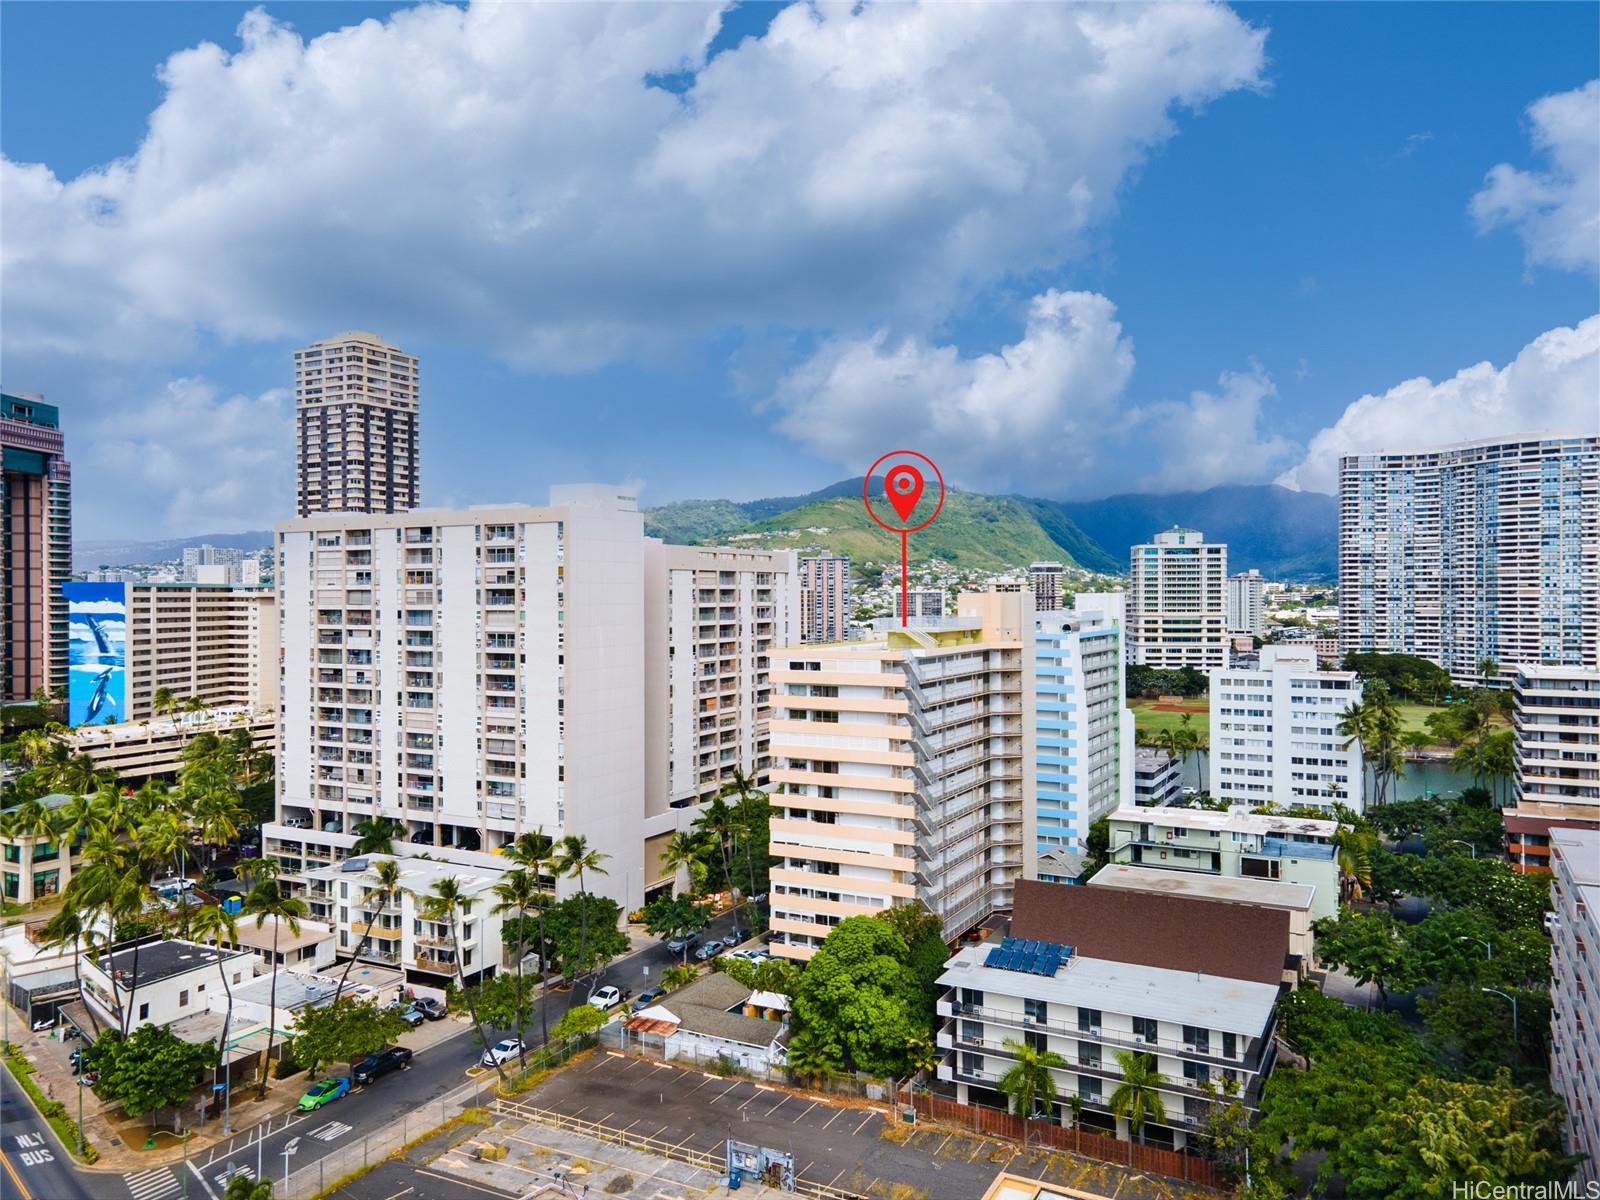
646, 999
754, 957
408, 1012
376, 1066
44, 1023
433, 1009
502, 1051
679, 944
608, 997
325, 1092
709, 950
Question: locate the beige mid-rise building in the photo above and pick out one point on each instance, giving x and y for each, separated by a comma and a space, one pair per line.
356, 426
1178, 602
903, 768
214, 642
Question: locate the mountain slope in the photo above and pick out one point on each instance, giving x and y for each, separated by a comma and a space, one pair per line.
1283, 534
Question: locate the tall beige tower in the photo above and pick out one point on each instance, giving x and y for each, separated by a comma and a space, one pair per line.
357, 451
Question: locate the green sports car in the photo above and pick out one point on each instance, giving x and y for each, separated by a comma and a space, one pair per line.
325, 1092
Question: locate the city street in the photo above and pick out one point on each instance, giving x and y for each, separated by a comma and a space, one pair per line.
35, 1168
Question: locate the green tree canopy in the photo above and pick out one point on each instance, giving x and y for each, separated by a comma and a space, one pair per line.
1372, 947
501, 1004
671, 916
598, 944
579, 1020
150, 1069
343, 1032
858, 1005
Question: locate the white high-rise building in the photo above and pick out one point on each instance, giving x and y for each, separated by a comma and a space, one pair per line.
906, 768
1275, 736
1557, 735
1246, 611
1083, 731
824, 598
1575, 991
1178, 602
1046, 580
356, 423
484, 673
713, 617
1488, 550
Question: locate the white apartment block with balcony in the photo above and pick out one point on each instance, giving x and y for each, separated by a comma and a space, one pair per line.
1084, 733
713, 617
825, 598
1557, 723
1575, 991
1247, 612
1157, 776
474, 675
1483, 550
1233, 844
905, 765
356, 426
1094, 971
402, 937
1178, 602
1275, 732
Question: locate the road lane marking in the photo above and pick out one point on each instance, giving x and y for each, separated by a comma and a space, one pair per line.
778, 1105
863, 1124
22, 1190
802, 1116
834, 1118
152, 1184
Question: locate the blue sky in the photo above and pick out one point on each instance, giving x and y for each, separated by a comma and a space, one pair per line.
1063, 271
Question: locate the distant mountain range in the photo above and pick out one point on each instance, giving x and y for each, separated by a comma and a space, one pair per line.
1283, 534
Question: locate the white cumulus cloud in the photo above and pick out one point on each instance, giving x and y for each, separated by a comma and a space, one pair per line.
508, 177
1552, 386
1048, 413
1557, 209
204, 459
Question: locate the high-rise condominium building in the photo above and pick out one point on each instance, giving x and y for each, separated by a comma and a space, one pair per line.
36, 529
925, 604
1488, 550
481, 674
217, 644
1046, 580
1275, 732
824, 598
906, 765
1575, 992
1557, 744
712, 619
1083, 730
1246, 610
356, 421
1178, 602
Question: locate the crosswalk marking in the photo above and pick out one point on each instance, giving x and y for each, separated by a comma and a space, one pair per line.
333, 1129
152, 1184
223, 1177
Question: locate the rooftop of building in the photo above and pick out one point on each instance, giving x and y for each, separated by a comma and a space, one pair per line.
1534, 816
296, 989
1152, 758
703, 1008
232, 716
1240, 941
260, 937
1014, 1187
52, 800
1475, 444
417, 875
1543, 671
1238, 819
162, 959
1580, 850
1270, 893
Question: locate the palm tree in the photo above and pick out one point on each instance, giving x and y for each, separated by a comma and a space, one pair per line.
1137, 1099
194, 704
573, 859
217, 925
248, 1187
163, 703
518, 892
1354, 850
443, 904
262, 901
65, 929
680, 857
385, 890
717, 821
534, 853
163, 837
376, 835
1488, 669
1500, 761
751, 811
1028, 1084
1355, 727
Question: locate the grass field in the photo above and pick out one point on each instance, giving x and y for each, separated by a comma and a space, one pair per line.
1149, 721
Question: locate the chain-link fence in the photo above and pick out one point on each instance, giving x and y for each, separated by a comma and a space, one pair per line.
380, 1144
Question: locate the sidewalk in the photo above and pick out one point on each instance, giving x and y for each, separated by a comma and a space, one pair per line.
120, 1141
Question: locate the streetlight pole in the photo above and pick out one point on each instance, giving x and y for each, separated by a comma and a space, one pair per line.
1487, 945
1516, 1037
1470, 847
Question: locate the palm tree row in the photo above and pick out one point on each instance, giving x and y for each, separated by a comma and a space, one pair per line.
1374, 722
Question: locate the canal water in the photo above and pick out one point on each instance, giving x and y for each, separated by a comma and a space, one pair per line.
1420, 777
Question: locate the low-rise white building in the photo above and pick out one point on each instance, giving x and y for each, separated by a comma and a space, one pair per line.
158, 981
1233, 844
1275, 732
1089, 972
1157, 777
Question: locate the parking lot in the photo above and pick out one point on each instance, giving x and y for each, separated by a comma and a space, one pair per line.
843, 1145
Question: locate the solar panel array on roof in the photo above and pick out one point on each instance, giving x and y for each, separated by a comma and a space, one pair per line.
1028, 957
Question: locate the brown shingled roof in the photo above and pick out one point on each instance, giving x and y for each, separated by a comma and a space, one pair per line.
1179, 933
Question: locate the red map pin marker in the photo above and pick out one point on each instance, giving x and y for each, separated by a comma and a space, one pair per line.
903, 487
